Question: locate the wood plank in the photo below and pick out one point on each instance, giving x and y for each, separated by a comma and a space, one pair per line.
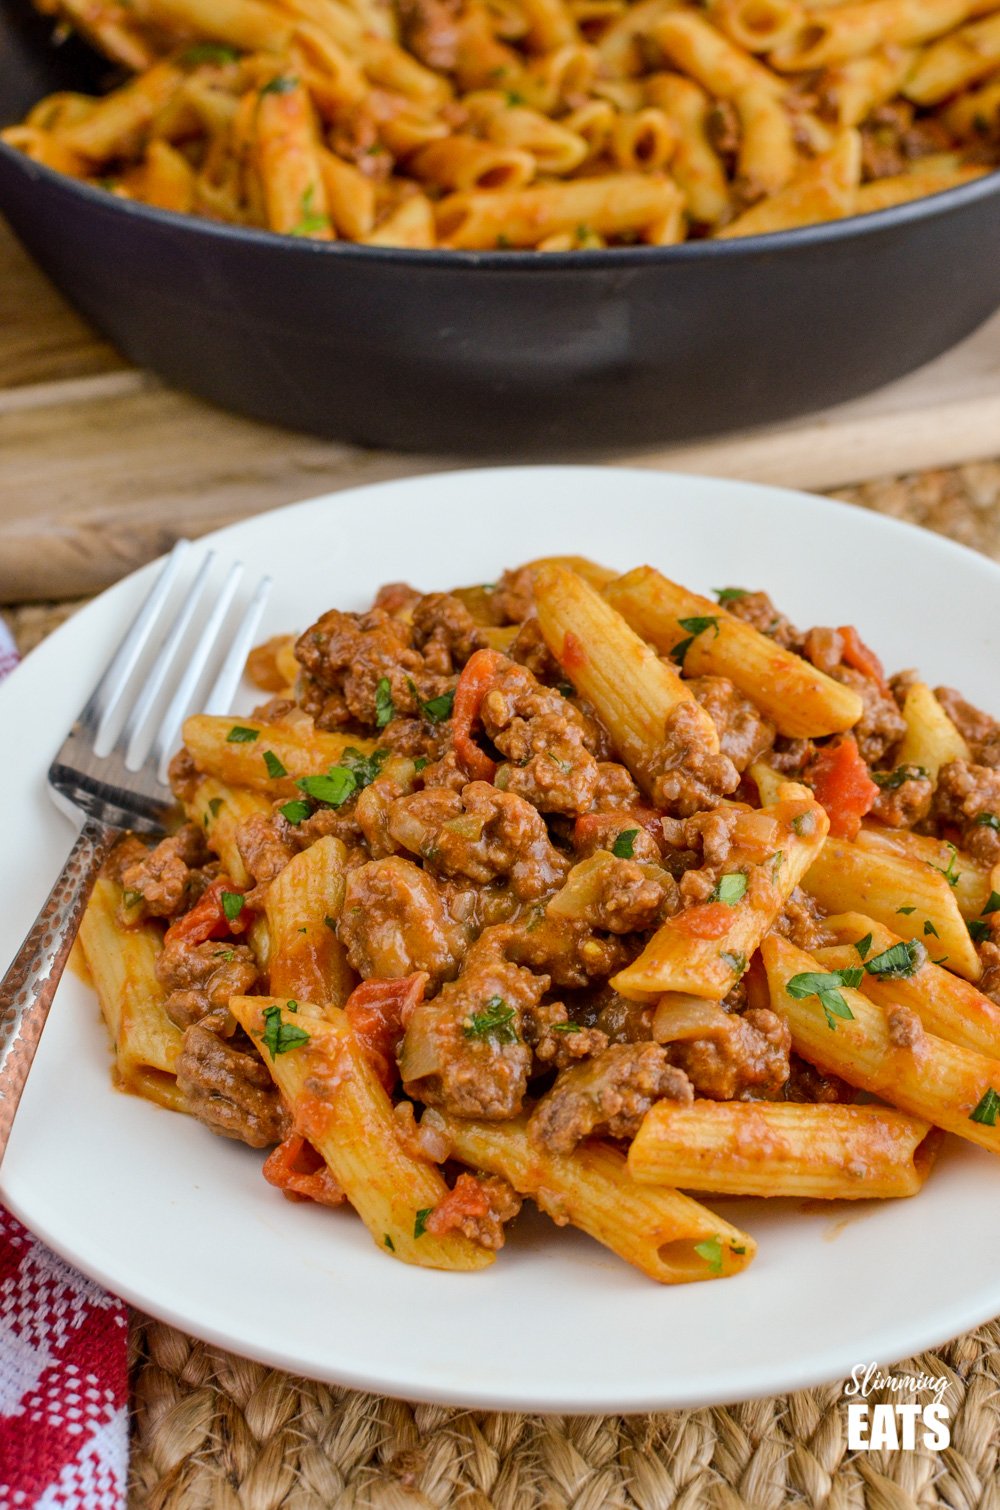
41, 337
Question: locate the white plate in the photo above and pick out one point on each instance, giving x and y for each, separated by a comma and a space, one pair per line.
181, 1223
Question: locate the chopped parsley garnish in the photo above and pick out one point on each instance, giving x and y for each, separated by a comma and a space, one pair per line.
804, 824
905, 911
694, 627
493, 1022
331, 923
565, 689
239, 734
274, 767
419, 763
730, 888
389, 1243
215, 806
898, 962
283, 84
930, 929
827, 988
987, 820
224, 954
278, 1037
863, 946
208, 52
624, 846
333, 789
293, 1006
978, 930
986, 1109
777, 861
437, 709
385, 708
364, 768
309, 220
736, 962
711, 1251
566, 1027
949, 872
513, 98
132, 898
420, 1221
730, 594
890, 780
232, 904
992, 905
295, 811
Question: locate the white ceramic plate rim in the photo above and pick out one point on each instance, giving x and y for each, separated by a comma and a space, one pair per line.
733, 515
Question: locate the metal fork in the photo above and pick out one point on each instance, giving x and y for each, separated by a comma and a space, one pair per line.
124, 788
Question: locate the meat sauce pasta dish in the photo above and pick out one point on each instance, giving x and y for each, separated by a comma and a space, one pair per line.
576, 886
548, 124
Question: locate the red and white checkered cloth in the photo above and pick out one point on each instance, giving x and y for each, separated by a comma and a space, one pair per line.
63, 1368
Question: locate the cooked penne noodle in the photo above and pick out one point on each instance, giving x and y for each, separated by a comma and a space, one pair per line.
615, 205
123, 116
220, 809
767, 158
975, 115
758, 25
969, 881
704, 950
848, 31
964, 58
773, 1148
931, 739
696, 48
633, 691
850, 877
223, 747
307, 961
857, 87
466, 164
947, 1006
121, 961
884, 192
411, 223
695, 165
799, 700
287, 159
667, 1235
338, 1103
823, 189
951, 1086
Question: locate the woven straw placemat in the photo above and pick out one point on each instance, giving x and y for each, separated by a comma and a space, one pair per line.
212, 1431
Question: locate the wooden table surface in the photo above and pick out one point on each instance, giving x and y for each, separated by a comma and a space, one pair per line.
102, 467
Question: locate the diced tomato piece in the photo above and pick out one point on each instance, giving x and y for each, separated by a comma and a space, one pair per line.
857, 654
207, 918
467, 1199
840, 779
378, 1011
573, 653
707, 920
478, 673
299, 1172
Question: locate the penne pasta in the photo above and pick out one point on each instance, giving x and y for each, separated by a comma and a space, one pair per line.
823, 189
667, 1235
307, 961
798, 699
774, 1148
948, 1085
338, 1103
931, 739
233, 750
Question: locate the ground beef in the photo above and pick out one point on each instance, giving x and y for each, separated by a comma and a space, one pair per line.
989, 981
615, 788
623, 1021
394, 923
558, 1041
969, 796
744, 734
515, 697
200, 978
610, 1094
806, 1083
478, 1207
602, 830
397, 598
184, 776
723, 126
444, 632
627, 897
801, 921
479, 833
168, 877
978, 729
748, 1061
905, 1028
465, 1051
568, 951
552, 768
683, 774
791, 756
372, 808
413, 737
756, 609
431, 32
226, 1086
529, 649
905, 803
345, 658
881, 724
513, 597
265, 846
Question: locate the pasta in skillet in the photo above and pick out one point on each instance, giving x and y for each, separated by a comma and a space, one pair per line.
555, 125
577, 887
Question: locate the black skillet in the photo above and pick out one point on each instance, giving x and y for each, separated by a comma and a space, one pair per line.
497, 353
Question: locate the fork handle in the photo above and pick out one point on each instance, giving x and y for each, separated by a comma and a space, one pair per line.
27, 989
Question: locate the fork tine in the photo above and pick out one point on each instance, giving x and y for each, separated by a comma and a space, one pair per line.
163, 743
162, 667
105, 696
220, 697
